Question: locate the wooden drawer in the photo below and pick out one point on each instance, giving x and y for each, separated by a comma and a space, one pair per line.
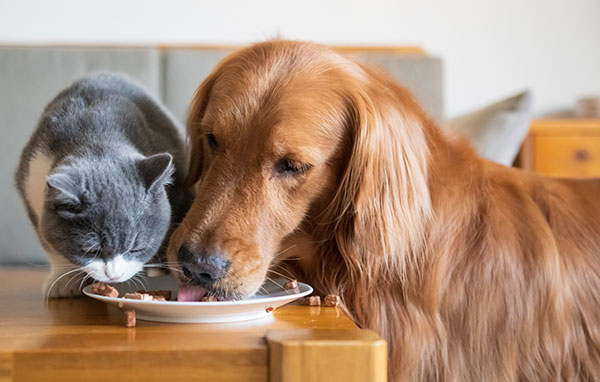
562, 147
567, 156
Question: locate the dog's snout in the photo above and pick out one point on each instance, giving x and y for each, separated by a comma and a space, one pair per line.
202, 267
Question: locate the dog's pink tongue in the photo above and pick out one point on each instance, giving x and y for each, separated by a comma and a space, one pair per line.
190, 293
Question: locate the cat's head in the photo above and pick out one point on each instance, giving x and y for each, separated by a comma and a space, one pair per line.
108, 216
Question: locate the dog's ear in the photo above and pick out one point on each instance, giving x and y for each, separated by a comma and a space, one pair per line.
195, 149
382, 201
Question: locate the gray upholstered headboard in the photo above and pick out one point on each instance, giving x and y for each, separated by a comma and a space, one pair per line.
31, 76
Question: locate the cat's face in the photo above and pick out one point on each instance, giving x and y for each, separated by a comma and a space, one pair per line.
108, 217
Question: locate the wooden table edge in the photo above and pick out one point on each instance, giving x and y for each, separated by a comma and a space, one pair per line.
341, 354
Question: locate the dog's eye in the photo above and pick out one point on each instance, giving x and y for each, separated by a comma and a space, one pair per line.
212, 141
289, 167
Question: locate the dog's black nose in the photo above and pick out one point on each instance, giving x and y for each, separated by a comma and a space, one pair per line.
202, 267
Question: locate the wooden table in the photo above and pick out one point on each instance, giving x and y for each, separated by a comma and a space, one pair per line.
82, 339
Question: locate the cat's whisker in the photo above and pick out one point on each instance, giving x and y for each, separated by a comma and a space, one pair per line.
276, 283
144, 283
137, 283
280, 274
72, 278
87, 276
139, 278
127, 283
171, 268
285, 250
60, 277
161, 265
157, 265
285, 270
38, 265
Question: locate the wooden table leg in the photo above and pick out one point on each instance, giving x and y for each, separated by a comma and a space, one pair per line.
6, 367
311, 355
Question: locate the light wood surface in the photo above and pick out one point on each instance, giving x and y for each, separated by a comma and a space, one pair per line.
563, 148
334, 355
565, 126
82, 339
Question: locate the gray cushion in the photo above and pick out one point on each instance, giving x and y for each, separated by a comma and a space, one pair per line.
422, 75
184, 70
30, 78
498, 130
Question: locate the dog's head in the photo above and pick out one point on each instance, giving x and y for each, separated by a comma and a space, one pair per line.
283, 136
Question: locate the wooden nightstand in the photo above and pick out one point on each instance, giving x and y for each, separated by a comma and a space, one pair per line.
563, 147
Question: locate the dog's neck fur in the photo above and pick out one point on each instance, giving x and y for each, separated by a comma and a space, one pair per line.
393, 297
419, 306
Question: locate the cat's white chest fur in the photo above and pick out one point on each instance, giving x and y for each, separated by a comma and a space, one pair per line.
35, 185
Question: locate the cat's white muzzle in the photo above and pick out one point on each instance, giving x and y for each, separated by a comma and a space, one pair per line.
113, 271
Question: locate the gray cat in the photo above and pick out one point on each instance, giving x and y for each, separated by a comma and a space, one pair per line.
98, 179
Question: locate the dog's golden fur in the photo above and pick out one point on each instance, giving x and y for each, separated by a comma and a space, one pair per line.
471, 271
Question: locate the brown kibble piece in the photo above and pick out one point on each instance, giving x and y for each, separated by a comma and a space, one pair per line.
209, 299
166, 294
332, 300
129, 318
138, 296
269, 309
104, 290
292, 284
313, 300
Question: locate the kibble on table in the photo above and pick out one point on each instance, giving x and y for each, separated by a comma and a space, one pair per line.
129, 318
313, 300
332, 300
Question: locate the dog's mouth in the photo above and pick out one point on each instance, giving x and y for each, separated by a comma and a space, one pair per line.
190, 291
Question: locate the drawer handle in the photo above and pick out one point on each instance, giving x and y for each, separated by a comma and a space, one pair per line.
582, 155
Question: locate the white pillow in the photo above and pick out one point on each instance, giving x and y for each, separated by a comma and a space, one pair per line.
498, 130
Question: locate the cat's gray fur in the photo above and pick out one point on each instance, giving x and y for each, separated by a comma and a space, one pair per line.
98, 178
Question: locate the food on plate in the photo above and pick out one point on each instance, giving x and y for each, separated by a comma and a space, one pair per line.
104, 290
209, 299
166, 294
139, 296
292, 284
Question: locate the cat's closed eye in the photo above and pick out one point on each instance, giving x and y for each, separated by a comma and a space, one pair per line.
137, 250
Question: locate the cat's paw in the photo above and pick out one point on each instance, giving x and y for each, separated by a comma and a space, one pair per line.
58, 286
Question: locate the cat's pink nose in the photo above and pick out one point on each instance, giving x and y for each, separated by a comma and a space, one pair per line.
112, 275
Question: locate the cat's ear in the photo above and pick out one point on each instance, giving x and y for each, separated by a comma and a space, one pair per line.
156, 170
63, 193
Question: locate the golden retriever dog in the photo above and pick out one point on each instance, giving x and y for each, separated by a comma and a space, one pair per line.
470, 270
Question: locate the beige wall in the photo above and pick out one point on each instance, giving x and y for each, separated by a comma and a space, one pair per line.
490, 48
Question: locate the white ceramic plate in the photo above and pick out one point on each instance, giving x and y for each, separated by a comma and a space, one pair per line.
255, 307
